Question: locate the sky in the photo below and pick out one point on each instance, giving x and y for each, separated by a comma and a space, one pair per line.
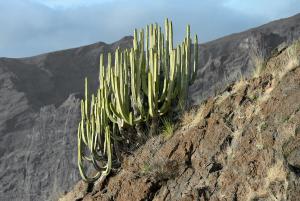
32, 27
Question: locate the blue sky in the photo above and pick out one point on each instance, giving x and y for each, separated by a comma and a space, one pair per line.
31, 27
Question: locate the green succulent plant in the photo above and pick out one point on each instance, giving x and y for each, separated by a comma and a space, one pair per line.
143, 83
94, 136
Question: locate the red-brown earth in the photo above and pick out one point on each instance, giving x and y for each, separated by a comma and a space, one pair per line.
242, 145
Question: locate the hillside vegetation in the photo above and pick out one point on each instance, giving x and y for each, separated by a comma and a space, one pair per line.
243, 144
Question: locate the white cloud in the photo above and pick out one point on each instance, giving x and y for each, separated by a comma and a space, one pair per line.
65, 4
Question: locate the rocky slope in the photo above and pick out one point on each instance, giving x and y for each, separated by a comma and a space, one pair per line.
39, 104
243, 144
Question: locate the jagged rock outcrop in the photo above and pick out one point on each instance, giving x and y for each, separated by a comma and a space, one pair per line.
39, 104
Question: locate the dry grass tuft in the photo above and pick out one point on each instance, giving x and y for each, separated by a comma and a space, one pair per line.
293, 54
239, 84
222, 97
276, 173
188, 116
198, 115
259, 64
168, 128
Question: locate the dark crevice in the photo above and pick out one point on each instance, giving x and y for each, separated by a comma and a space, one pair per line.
294, 169
229, 88
228, 119
226, 143
173, 150
208, 114
244, 98
203, 193
168, 192
235, 197
90, 187
154, 188
215, 167
188, 162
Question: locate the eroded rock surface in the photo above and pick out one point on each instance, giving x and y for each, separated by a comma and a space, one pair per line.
243, 144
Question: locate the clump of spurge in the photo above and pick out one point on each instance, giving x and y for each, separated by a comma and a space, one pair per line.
143, 84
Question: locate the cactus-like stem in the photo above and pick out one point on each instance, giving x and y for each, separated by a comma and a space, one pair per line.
144, 81
195, 59
94, 134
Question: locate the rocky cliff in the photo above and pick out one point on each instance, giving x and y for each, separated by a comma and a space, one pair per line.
39, 104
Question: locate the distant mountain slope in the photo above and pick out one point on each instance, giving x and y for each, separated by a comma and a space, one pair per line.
38, 120
224, 59
39, 104
50, 78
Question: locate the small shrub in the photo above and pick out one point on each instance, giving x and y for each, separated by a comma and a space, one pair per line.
168, 128
240, 83
146, 169
293, 59
263, 126
161, 169
293, 53
259, 64
253, 97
